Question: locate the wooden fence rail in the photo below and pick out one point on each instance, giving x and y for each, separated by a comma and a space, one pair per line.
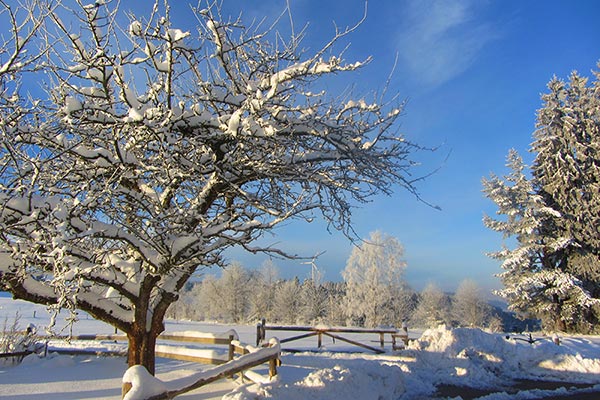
226, 366
236, 366
163, 351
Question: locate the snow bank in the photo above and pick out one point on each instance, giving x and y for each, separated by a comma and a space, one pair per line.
575, 360
458, 357
330, 380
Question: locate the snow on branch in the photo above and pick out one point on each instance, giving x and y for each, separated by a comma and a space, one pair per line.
157, 148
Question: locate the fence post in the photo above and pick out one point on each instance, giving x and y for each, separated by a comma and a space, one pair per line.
381, 341
260, 332
319, 336
273, 367
231, 348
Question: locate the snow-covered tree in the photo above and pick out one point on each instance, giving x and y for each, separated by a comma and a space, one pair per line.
374, 277
288, 305
262, 295
469, 307
149, 150
537, 250
433, 308
567, 169
553, 271
184, 308
336, 293
206, 298
314, 302
234, 289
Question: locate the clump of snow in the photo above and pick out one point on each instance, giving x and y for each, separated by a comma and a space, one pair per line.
143, 384
135, 28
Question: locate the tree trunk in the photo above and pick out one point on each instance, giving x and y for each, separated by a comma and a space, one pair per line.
140, 350
557, 318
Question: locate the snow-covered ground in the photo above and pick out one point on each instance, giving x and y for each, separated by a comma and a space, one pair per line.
440, 359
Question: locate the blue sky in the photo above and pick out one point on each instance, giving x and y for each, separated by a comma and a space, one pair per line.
473, 73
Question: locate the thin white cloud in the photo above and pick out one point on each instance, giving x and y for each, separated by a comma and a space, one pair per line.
440, 39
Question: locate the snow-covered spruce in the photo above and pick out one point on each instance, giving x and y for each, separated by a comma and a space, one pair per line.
553, 271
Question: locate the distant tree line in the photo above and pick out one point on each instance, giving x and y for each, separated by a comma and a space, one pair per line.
373, 293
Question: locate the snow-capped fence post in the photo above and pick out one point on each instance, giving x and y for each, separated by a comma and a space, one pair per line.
260, 331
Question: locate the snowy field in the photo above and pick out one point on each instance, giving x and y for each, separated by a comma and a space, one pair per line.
440, 364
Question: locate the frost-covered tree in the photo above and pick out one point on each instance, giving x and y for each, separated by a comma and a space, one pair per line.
567, 171
288, 304
336, 292
527, 220
552, 272
262, 294
567, 168
469, 307
433, 308
314, 302
374, 277
536, 280
207, 298
184, 308
234, 289
144, 151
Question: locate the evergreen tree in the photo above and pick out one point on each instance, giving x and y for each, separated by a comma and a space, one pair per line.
567, 169
336, 293
554, 270
314, 302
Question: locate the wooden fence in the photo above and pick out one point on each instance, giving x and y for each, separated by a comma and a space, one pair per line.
332, 332
202, 356
269, 354
238, 359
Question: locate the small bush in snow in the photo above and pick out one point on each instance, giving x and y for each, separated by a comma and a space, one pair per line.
16, 340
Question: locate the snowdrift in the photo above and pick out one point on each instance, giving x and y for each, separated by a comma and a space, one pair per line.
458, 357
576, 357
